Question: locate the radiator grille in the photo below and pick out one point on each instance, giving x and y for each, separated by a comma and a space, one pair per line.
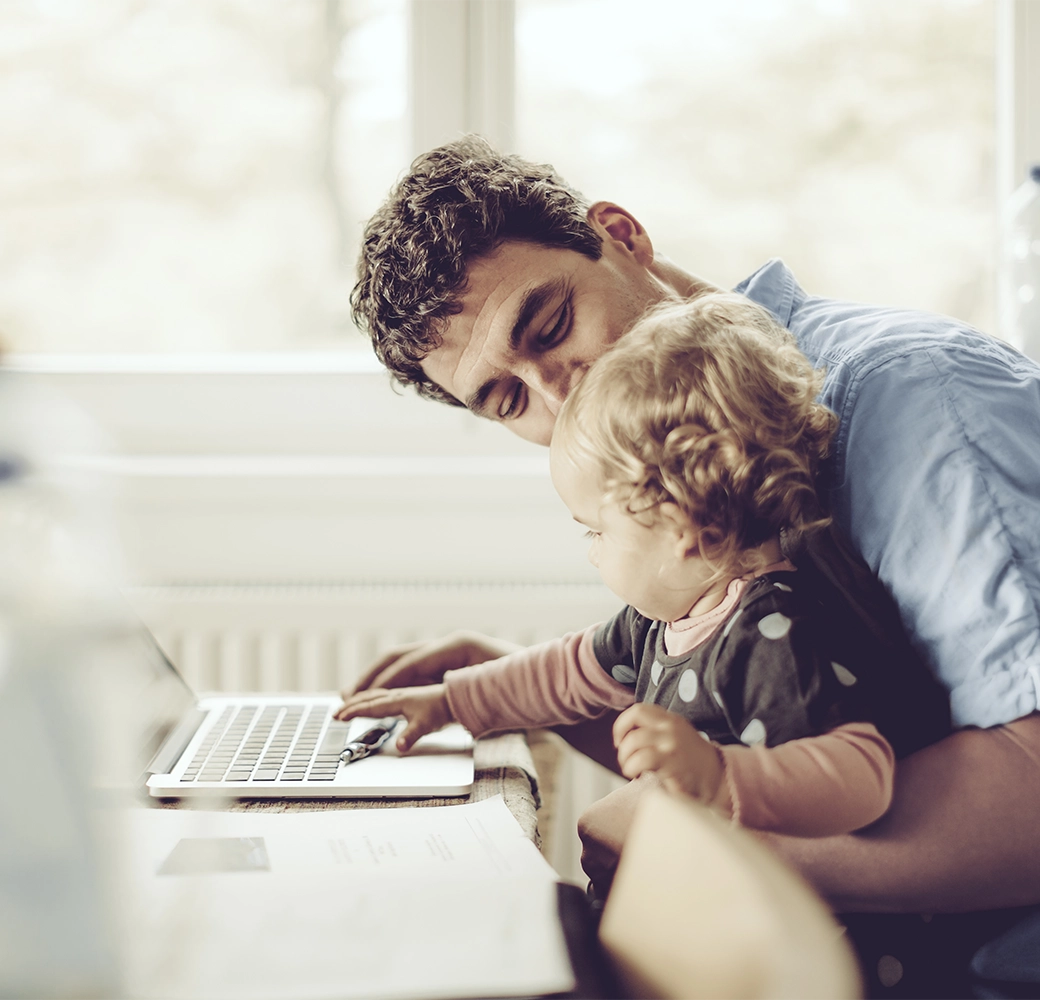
293, 637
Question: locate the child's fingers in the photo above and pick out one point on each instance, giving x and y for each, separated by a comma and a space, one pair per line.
413, 732
370, 703
635, 716
635, 742
642, 760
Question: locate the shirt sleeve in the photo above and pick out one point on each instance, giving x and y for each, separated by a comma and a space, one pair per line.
941, 494
619, 644
819, 786
557, 682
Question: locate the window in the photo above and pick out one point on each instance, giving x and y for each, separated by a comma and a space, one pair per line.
192, 176
854, 138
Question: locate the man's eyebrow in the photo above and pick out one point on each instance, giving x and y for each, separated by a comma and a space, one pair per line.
531, 304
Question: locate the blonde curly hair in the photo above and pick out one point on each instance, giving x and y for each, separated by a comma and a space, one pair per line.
710, 405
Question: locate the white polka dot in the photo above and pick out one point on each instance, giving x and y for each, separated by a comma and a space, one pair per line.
732, 621
775, 626
623, 674
718, 698
782, 586
688, 685
889, 970
754, 733
845, 676
655, 672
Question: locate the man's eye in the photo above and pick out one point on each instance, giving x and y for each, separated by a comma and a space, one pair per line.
512, 404
557, 329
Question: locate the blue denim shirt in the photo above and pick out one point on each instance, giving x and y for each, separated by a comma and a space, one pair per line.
935, 476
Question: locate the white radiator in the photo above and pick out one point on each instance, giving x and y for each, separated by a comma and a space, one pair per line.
317, 638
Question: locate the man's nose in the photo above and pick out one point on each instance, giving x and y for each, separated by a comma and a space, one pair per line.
554, 386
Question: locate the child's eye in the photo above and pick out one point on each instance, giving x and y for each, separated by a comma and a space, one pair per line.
590, 534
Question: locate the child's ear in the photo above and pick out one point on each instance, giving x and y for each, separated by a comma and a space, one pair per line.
686, 533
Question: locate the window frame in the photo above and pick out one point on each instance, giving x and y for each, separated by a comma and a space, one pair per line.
462, 78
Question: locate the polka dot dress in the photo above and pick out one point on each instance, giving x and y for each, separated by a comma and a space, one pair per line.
772, 671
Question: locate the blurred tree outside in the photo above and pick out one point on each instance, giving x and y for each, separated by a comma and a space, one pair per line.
853, 138
193, 175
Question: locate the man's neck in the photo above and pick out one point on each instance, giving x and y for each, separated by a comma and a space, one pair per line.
676, 281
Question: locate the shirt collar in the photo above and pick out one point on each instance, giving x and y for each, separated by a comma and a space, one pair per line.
773, 286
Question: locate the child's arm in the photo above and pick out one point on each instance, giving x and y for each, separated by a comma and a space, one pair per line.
816, 786
554, 683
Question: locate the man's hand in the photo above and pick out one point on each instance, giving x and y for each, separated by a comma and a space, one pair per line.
650, 738
603, 828
426, 662
425, 708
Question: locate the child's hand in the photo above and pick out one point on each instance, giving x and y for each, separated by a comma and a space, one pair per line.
425, 708
650, 738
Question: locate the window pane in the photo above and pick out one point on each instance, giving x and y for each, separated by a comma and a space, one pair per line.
192, 176
853, 138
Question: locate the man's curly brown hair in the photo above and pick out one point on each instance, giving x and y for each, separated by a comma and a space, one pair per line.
710, 405
458, 202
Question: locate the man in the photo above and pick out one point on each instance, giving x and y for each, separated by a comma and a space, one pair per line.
486, 282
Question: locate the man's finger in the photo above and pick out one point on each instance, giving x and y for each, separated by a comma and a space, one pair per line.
385, 661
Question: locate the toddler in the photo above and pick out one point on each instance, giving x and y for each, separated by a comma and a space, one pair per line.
760, 666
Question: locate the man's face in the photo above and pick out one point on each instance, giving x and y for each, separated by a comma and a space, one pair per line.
533, 320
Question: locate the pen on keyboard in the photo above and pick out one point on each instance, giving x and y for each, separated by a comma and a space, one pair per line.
370, 740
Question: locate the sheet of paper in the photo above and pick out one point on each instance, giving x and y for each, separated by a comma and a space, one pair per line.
420, 903
478, 839
313, 936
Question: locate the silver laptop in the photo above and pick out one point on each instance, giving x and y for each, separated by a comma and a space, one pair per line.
269, 746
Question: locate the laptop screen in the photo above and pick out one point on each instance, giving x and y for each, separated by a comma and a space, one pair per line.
141, 705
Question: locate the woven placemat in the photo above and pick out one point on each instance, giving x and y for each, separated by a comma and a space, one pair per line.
502, 765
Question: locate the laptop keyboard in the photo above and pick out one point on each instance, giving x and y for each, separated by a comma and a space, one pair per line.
269, 743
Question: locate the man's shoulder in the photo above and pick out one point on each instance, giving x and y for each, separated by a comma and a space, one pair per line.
858, 335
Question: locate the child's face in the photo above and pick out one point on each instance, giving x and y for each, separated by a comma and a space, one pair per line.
648, 560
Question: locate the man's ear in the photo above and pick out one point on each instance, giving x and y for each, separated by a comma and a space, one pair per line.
614, 223
684, 531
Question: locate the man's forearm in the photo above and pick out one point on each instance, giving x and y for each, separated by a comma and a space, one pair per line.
960, 834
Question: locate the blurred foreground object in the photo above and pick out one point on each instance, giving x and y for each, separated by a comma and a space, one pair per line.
1022, 296
698, 908
61, 638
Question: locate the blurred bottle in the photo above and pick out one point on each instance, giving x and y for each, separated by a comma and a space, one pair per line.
56, 625
1022, 293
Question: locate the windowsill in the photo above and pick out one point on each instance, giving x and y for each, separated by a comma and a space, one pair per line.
348, 361
283, 467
